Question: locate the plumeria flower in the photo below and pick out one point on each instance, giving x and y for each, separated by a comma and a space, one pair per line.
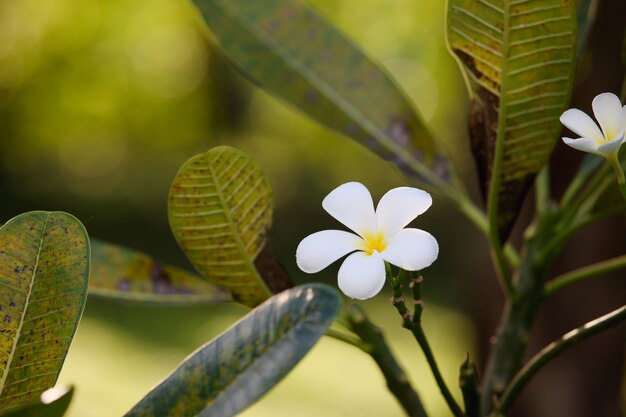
612, 118
380, 237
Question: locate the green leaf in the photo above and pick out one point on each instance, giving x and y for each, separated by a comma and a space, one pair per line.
585, 16
518, 57
122, 274
44, 273
220, 211
290, 50
52, 403
229, 373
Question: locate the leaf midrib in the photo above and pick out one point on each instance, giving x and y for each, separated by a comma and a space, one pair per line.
18, 332
233, 227
327, 90
270, 346
494, 189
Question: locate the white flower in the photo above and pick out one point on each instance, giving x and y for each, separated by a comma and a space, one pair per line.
612, 118
380, 237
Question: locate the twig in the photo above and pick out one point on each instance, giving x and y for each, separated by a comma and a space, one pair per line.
555, 348
397, 380
468, 382
413, 323
342, 337
590, 271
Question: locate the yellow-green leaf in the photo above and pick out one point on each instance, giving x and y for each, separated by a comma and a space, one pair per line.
122, 274
220, 211
44, 273
294, 53
52, 403
518, 57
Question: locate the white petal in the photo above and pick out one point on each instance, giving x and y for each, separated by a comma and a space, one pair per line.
352, 205
623, 119
608, 110
581, 124
609, 147
411, 249
398, 207
321, 249
362, 276
582, 144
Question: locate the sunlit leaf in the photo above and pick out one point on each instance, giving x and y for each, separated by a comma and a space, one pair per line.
52, 403
518, 57
44, 272
231, 372
220, 211
122, 274
294, 53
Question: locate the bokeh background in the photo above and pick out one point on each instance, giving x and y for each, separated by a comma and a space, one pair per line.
102, 101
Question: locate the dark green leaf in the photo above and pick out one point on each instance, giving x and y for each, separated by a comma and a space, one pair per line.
585, 16
519, 58
52, 403
44, 273
288, 49
122, 274
231, 372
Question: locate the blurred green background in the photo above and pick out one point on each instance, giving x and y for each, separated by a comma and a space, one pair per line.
102, 101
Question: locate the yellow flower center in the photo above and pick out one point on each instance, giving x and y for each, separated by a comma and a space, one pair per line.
374, 242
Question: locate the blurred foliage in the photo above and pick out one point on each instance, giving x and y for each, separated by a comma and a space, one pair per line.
102, 101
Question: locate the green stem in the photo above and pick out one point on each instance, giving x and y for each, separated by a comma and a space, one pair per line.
558, 240
619, 172
479, 219
542, 190
590, 164
342, 337
581, 274
555, 348
468, 382
397, 380
513, 333
420, 336
502, 271
572, 208
415, 327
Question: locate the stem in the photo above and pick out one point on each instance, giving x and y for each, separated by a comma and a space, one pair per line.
418, 332
542, 190
476, 216
414, 325
342, 337
397, 380
554, 349
571, 209
502, 271
589, 165
621, 180
468, 381
581, 274
513, 333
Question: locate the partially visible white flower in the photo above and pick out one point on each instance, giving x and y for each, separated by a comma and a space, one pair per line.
612, 118
380, 236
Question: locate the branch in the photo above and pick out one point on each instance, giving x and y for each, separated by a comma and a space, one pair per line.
397, 380
468, 381
413, 323
554, 349
581, 274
